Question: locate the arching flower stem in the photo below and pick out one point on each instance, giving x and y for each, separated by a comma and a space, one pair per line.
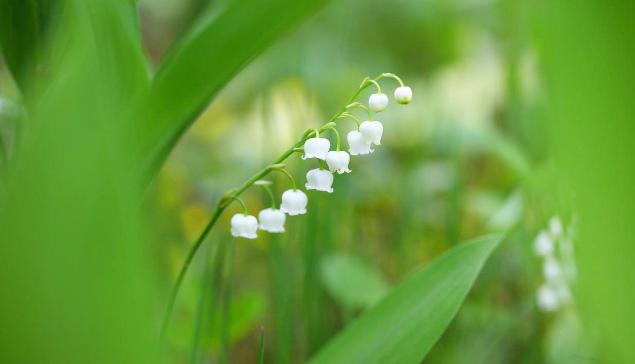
376, 85
282, 168
364, 85
391, 75
337, 137
230, 195
361, 106
265, 185
351, 116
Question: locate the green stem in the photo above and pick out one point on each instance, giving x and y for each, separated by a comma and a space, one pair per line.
391, 75
360, 106
242, 204
367, 82
337, 137
270, 193
227, 302
222, 205
200, 307
289, 176
351, 116
185, 266
376, 85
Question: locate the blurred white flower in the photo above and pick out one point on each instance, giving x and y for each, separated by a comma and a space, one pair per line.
372, 131
543, 245
377, 102
294, 202
319, 180
357, 144
272, 220
244, 226
403, 95
551, 269
547, 298
338, 161
555, 227
316, 148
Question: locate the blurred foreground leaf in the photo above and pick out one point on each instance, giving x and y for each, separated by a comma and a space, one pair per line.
352, 282
20, 36
201, 63
405, 325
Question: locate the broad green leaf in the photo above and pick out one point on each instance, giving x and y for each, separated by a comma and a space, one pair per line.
75, 276
352, 282
405, 325
201, 63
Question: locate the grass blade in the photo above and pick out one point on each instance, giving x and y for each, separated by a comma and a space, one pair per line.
261, 350
404, 326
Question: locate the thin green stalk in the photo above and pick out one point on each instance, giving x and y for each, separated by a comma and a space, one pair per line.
185, 266
261, 350
271, 197
200, 307
227, 302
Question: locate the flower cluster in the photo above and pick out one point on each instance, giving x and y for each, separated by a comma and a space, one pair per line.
555, 246
361, 140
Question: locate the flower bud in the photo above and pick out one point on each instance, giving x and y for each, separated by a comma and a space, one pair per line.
357, 144
244, 226
272, 220
319, 180
377, 102
338, 161
316, 148
294, 202
372, 131
403, 95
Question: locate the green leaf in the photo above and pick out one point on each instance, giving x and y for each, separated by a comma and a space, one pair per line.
351, 282
405, 325
20, 37
201, 63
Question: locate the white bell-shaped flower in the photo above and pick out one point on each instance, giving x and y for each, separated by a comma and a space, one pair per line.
372, 131
244, 226
294, 202
272, 220
551, 269
357, 144
543, 245
555, 227
403, 95
316, 148
338, 161
548, 299
377, 102
319, 180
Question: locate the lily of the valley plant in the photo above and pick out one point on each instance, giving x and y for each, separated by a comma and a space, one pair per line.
312, 145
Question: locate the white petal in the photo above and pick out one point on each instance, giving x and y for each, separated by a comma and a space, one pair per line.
403, 95
377, 102
294, 202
